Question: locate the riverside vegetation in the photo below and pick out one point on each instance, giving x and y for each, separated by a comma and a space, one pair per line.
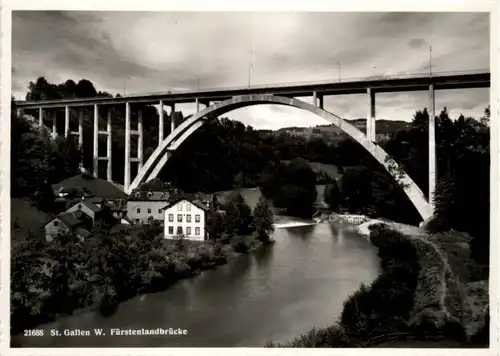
225, 154
421, 294
68, 274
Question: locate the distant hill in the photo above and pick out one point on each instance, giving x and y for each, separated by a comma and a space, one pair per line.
333, 133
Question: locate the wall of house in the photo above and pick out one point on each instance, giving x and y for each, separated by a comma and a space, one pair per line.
143, 214
187, 211
53, 228
83, 208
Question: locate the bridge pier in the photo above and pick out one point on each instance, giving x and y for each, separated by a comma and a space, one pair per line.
172, 117
80, 129
140, 151
432, 145
370, 117
66, 121
160, 123
108, 146
321, 101
40, 119
96, 142
54, 124
126, 179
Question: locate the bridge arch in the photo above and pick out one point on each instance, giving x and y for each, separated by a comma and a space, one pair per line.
161, 155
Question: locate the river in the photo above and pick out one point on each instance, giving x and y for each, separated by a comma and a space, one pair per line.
276, 293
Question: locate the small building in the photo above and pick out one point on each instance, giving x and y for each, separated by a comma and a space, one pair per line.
79, 218
187, 218
147, 201
76, 222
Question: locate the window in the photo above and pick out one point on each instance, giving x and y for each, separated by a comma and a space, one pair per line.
137, 221
188, 218
179, 217
170, 230
56, 223
179, 230
79, 206
179, 207
159, 211
137, 194
150, 194
197, 218
149, 211
196, 230
188, 207
188, 231
138, 210
171, 217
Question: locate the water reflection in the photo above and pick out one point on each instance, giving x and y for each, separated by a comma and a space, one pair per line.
337, 234
303, 232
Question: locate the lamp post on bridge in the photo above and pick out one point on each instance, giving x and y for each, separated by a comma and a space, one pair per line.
430, 61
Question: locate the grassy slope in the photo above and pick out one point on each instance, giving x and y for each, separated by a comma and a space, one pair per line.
25, 215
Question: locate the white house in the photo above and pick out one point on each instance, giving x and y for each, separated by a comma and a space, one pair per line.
186, 217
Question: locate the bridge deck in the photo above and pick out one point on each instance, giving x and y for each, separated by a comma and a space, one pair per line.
354, 86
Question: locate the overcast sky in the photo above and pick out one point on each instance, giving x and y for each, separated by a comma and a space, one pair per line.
140, 52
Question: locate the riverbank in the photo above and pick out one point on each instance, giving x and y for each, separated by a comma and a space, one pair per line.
155, 264
440, 304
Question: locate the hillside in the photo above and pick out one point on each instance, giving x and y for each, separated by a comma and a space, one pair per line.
332, 132
25, 216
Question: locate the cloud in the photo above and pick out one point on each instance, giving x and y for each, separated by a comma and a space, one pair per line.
141, 52
417, 43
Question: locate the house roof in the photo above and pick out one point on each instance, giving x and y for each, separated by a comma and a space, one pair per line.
82, 232
94, 186
149, 195
192, 201
154, 185
89, 205
69, 220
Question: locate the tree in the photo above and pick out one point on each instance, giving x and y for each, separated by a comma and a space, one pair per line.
238, 219
264, 221
215, 225
357, 189
291, 186
332, 195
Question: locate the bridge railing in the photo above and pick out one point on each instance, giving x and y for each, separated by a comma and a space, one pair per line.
291, 84
319, 82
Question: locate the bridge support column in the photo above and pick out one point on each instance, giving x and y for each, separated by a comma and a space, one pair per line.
432, 145
321, 101
126, 180
315, 98
66, 121
80, 129
172, 118
96, 142
108, 146
40, 119
54, 125
160, 123
370, 117
140, 144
